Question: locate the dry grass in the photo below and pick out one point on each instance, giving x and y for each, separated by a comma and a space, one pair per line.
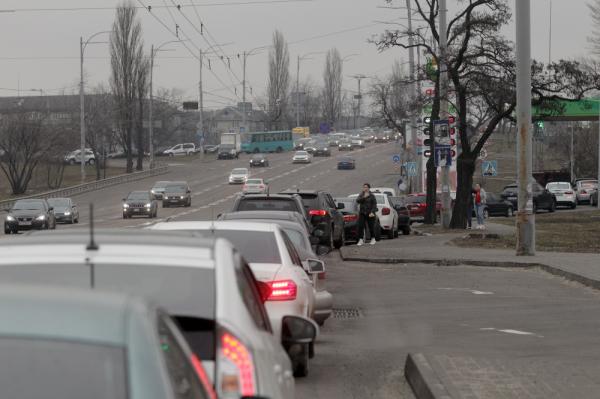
555, 232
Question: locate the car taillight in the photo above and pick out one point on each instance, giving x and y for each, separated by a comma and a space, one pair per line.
569, 192
201, 373
317, 212
350, 218
583, 192
236, 376
282, 290
321, 276
261, 186
422, 205
385, 211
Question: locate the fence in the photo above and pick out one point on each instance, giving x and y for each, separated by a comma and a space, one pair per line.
92, 186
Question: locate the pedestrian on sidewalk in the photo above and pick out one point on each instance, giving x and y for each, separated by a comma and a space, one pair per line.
470, 210
480, 200
366, 213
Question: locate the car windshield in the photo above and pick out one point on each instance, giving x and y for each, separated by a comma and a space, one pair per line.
272, 204
301, 153
239, 171
59, 202
258, 157
559, 186
589, 184
254, 181
28, 206
176, 188
310, 201
349, 204
54, 368
160, 184
138, 195
380, 198
255, 246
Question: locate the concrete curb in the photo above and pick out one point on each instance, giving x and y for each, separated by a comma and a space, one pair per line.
422, 379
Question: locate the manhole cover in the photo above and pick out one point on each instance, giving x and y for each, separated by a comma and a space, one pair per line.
346, 313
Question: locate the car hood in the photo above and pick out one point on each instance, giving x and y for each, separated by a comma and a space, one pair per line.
265, 271
61, 209
25, 213
177, 193
237, 176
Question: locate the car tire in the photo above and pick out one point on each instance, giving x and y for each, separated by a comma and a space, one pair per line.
509, 212
124, 216
339, 243
165, 205
7, 231
377, 231
552, 207
406, 230
391, 233
300, 362
311, 350
573, 205
77, 220
92, 162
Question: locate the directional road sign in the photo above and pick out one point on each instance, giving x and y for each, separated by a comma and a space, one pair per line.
411, 168
396, 158
489, 168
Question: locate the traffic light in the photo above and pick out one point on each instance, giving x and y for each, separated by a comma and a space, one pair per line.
427, 120
428, 142
427, 131
452, 142
427, 153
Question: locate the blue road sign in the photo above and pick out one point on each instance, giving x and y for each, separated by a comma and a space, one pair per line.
489, 168
443, 155
411, 168
396, 158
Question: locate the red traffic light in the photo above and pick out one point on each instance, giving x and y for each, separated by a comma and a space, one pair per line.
427, 142
430, 92
451, 119
452, 131
452, 142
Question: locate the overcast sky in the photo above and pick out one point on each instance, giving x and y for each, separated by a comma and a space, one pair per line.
40, 50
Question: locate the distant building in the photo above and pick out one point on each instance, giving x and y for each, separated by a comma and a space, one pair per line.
229, 119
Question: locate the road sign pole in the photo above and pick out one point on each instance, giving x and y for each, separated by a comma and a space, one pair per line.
445, 178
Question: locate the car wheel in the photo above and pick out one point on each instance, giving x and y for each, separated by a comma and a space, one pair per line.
124, 216
256, 151
509, 212
552, 207
300, 361
165, 205
406, 230
311, 350
71, 162
391, 234
77, 220
54, 225
377, 231
338, 244
91, 162
573, 205
279, 149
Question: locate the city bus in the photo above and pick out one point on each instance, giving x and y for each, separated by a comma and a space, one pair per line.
276, 141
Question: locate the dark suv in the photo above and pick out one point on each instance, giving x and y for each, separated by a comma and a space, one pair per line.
139, 203
177, 193
542, 198
323, 214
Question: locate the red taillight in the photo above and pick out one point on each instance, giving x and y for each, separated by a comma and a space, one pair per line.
236, 368
569, 192
583, 192
422, 205
317, 212
321, 276
282, 290
261, 186
201, 373
385, 211
350, 218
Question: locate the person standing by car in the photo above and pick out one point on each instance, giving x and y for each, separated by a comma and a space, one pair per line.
479, 201
366, 213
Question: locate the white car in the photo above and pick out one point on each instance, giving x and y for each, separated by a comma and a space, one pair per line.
239, 176
584, 188
255, 186
388, 217
74, 157
385, 190
357, 142
181, 149
204, 284
274, 261
301, 157
565, 196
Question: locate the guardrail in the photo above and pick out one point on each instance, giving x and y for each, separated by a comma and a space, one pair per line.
92, 186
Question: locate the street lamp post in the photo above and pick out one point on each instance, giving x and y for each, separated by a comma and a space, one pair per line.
245, 55
301, 58
82, 46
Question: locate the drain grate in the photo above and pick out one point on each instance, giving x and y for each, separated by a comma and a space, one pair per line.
346, 313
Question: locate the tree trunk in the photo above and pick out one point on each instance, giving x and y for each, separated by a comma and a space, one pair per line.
129, 146
465, 168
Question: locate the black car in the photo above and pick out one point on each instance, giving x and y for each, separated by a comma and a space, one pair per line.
350, 214
345, 145
403, 212
158, 189
259, 160
65, 210
177, 193
227, 153
29, 214
346, 163
322, 150
211, 148
381, 138
139, 203
275, 215
323, 214
542, 198
269, 203
497, 206
310, 147
301, 143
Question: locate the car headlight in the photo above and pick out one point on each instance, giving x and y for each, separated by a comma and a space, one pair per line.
262, 161
67, 213
182, 197
10, 219
41, 217
125, 205
153, 192
148, 205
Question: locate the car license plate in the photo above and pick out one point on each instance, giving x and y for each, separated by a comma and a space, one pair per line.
24, 223
173, 200
136, 210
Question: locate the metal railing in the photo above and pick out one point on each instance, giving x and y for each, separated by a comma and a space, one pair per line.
92, 186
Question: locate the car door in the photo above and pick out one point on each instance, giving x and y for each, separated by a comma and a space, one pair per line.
178, 149
272, 362
301, 273
336, 215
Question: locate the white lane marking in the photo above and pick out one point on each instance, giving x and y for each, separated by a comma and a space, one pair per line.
474, 292
511, 331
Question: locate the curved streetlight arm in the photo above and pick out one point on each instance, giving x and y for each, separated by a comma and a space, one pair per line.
89, 40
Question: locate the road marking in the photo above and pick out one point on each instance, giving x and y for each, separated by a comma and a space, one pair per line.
511, 331
474, 292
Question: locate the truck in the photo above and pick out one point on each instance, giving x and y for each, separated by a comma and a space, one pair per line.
231, 146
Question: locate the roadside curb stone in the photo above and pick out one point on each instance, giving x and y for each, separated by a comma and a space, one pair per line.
423, 379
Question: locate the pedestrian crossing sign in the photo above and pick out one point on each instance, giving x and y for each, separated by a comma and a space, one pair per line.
489, 168
411, 168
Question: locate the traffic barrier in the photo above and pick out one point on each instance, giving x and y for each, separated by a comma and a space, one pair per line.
92, 186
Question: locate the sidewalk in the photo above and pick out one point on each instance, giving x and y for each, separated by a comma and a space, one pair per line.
580, 267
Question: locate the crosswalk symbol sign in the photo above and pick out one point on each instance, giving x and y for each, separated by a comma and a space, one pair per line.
489, 168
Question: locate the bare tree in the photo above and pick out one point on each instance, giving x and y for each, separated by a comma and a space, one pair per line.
279, 79
142, 75
99, 120
126, 58
332, 89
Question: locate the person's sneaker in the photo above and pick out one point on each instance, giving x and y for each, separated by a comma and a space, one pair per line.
468, 227
360, 242
372, 241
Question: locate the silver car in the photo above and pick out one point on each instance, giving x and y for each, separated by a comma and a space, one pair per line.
66, 343
301, 157
255, 186
65, 210
584, 188
203, 283
238, 176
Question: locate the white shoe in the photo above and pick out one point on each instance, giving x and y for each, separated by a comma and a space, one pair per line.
360, 242
372, 241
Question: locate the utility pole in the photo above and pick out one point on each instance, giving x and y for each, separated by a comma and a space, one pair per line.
81, 114
200, 106
525, 215
151, 127
244, 94
359, 96
298, 92
413, 117
443, 65
571, 153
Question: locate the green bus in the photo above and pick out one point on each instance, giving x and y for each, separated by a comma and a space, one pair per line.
276, 141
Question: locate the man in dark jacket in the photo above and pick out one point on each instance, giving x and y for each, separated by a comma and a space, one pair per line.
366, 213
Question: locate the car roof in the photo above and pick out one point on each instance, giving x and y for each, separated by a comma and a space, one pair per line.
67, 313
216, 225
299, 192
278, 197
279, 215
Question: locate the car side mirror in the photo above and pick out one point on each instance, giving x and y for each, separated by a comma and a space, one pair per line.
219, 215
314, 240
316, 266
264, 290
51, 208
298, 330
341, 205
